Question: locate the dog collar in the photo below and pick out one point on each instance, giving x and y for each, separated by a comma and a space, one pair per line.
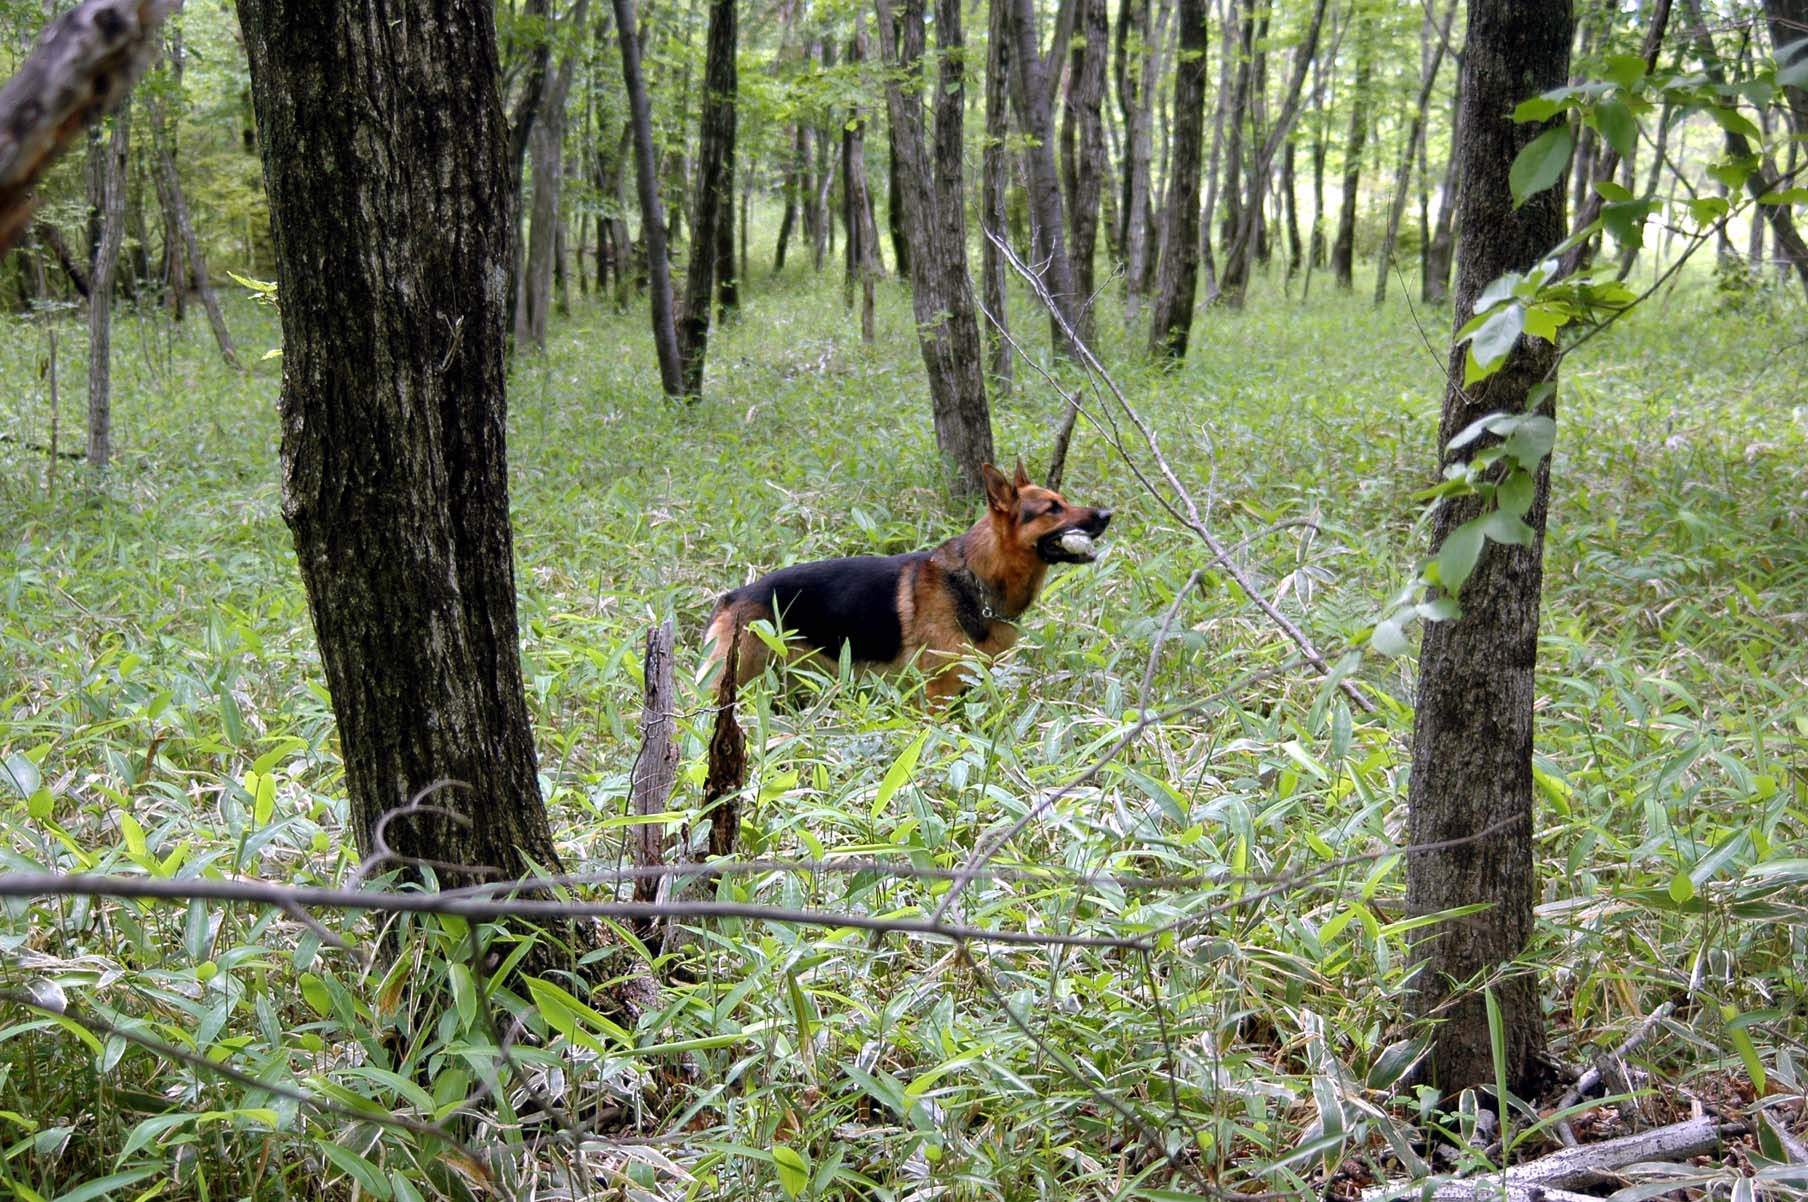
978, 603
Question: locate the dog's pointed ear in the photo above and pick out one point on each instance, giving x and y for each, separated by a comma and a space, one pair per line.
1023, 477
1000, 493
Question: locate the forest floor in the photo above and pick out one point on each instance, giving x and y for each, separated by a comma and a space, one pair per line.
162, 713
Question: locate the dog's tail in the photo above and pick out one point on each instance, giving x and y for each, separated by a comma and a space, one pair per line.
727, 755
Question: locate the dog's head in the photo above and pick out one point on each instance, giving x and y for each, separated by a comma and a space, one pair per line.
1042, 520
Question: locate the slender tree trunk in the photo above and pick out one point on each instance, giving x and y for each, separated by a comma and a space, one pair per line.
1472, 730
894, 215
521, 127
1790, 246
1177, 283
1136, 78
652, 212
1227, 72
546, 149
995, 186
933, 195
1316, 249
1414, 139
1788, 21
114, 162
169, 190
1031, 96
1435, 288
713, 191
793, 175
1296, 248
1086, 97
1235, 279
1343, 249
386, 165
862, 231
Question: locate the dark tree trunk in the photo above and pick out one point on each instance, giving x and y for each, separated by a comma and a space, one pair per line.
795, 178
652, 214
1788, 21
933, 195
520, 133
1086, 97
713, 191
1435, 288
112, 171
1031, 96
995, 184
53, 239
1136, 80
1472, 730
862, 249
1227, 71
1414, 139
1296, 248
385, 162
1177, 282
1235, 279
1343, 248
546, 149
894, 215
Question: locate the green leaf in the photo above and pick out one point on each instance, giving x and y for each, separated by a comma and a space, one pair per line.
1706, 210
133, 834
1457, 556
1540, 163
23, 774
1754, 1066
1503, 527
1785, 196
1514, 495
1543, 321
559, 1006
100, 1187
40, 805
793, 1169
1681, 888
262, 787
1540, 108
1618, 126
1495, 340
366, 1174
1531, 439
1734, 122
1626, 70
1389, 639
314, 992
899, 773
1610, 190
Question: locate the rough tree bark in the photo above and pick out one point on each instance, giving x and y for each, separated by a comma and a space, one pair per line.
77, 72
100, 297
1472, 730
933, 195
1414, 139
1343, 247
1177, 281
713, 191
385, 162
652, 212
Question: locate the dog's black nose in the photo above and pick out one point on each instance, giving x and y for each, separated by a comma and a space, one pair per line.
1104, 518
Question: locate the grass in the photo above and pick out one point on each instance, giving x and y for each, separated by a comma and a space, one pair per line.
162, 712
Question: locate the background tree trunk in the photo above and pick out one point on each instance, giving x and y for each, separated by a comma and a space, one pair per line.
113, 166
1343, 248
1235, 278
546, 149
1435, 287
1031, 95
1086, 97
652, 213
995, 183
713, 191
1136, 82
1472, 730
1177, 282
1414, 140
894, 215
188, 254
385, 161
933, 195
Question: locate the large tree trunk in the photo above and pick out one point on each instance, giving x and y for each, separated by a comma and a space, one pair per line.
546, 149
713, 190
1414, 140
995, 184
385, 162
1343, 248
113, 165
1472, 730
1085, 99
930, 186
652, 212
1177, 282
1031, 96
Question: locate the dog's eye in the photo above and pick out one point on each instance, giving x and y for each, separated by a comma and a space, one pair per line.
1054, 507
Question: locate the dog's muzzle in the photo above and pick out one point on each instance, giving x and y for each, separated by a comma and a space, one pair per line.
1074, 543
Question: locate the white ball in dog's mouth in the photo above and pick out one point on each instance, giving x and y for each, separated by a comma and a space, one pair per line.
1078, 542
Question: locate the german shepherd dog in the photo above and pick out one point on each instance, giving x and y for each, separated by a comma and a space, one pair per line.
965, 595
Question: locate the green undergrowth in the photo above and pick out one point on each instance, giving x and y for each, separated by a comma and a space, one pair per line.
162, 714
